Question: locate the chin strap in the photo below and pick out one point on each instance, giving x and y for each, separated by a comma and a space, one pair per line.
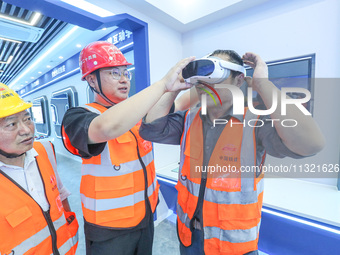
10, 155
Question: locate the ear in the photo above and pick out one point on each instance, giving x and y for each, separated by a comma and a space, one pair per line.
91, 79
239, 80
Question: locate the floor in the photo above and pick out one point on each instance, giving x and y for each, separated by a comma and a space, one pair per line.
165, 238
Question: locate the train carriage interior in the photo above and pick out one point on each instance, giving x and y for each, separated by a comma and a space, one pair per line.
40, 43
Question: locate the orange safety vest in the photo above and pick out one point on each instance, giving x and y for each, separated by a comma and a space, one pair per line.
232, 199
25, 228
114, 185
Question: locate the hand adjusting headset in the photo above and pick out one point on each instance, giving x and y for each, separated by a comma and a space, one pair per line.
209, 70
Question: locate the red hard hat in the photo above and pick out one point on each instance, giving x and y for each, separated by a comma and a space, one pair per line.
98, 55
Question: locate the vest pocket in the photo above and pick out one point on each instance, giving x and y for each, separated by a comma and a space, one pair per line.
192, 166
239, 212
182, 194
18, 216
116, 183
115, 198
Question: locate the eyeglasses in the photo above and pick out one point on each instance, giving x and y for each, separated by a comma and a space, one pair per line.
116, 74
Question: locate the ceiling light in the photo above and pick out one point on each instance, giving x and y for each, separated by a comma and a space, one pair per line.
32, 78
8, 60
61, 57
35, 18
104, 28
20, 32
10, 40
126, 45
48, 66
29, 23
40, 72
26, 81
86, 6
78, 45
50, 49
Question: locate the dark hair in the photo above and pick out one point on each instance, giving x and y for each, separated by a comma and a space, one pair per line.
233, 57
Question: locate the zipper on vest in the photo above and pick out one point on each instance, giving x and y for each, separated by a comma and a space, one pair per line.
52, 231
49, 220
198, 214
47, 217
147, 202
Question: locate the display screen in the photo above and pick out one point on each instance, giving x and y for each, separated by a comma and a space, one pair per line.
53, 114
37, 114
198, 68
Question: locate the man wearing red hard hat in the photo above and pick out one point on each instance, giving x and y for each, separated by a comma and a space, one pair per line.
119, 190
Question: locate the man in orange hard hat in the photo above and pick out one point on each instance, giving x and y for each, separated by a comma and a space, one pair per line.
35, 216
119, 190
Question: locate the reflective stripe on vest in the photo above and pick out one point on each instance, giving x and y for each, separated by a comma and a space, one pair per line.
233, 236
221, 200
114, 203
224, 197
124, 168
113, 189
65, 248
39, 237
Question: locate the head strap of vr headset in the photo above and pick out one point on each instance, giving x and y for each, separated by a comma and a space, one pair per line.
227, 64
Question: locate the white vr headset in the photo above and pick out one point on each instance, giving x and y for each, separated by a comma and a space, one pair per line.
209, 70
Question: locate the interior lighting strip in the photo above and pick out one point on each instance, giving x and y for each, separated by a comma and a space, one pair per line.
51, 49
29, 23
91, 8
306, 222
9, 60
10, 40
166, 180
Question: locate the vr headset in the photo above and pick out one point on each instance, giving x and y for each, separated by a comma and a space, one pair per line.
209, 70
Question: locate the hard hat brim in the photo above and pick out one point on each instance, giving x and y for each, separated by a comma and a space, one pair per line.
16, 109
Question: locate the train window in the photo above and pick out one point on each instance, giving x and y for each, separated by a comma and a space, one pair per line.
129, 55
294, 72
61, 101
54, 116
133, 81
30, 109
40, 114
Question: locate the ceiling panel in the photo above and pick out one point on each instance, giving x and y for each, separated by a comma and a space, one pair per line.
25, 51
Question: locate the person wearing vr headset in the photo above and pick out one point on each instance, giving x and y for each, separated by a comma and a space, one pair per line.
35, 216
119, 190
219, 206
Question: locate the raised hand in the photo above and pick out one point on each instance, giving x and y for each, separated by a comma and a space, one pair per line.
260, 74
172, 79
